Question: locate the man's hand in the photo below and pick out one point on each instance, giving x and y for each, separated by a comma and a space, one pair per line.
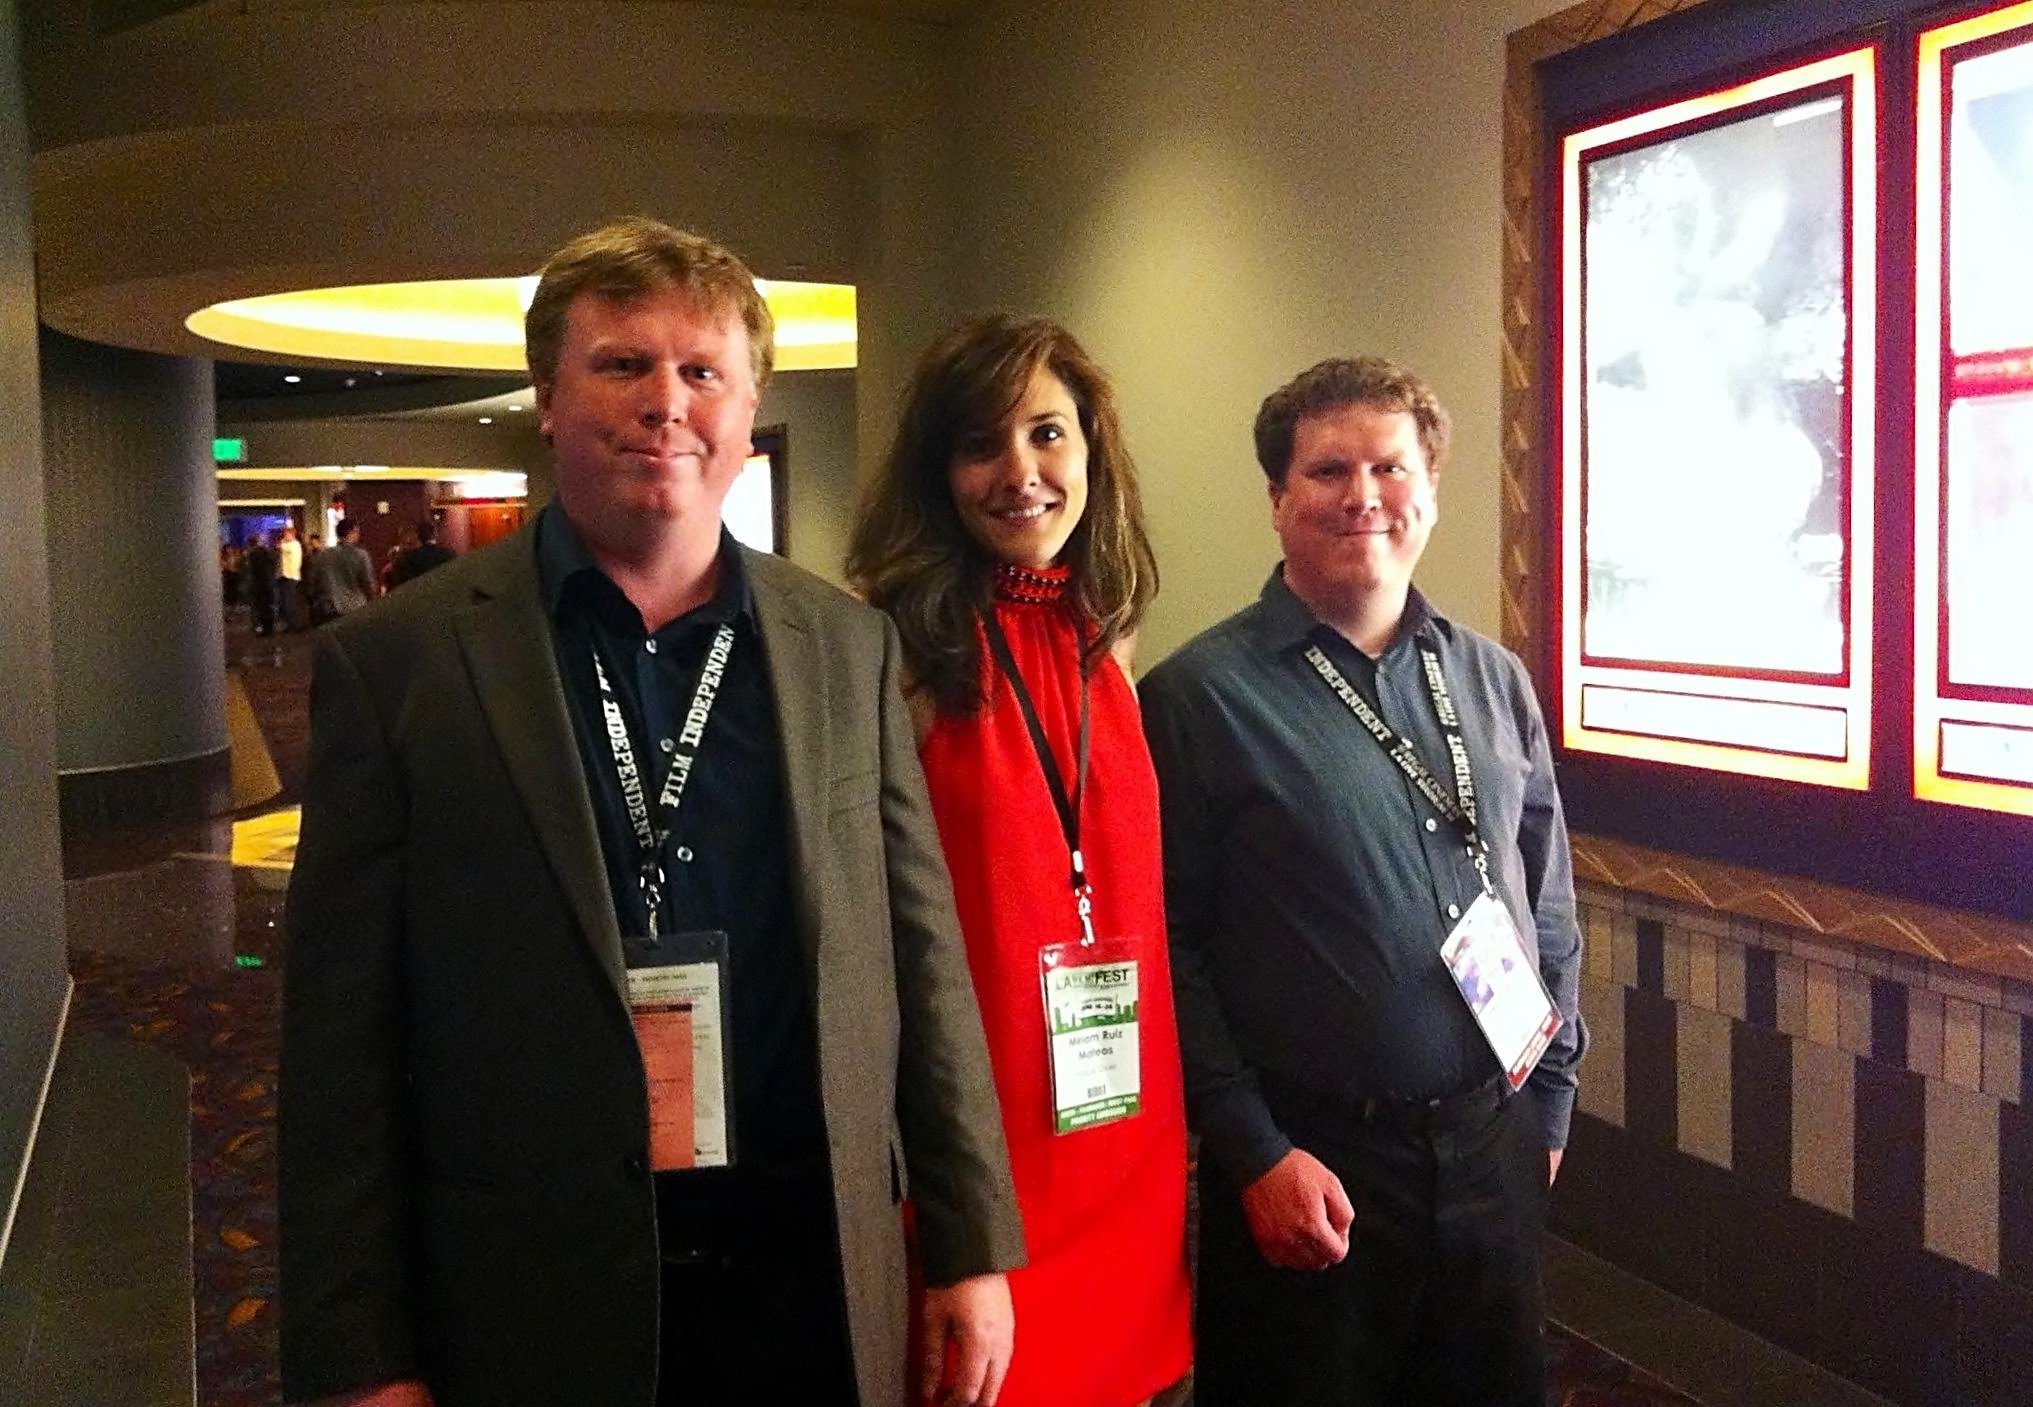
402, 1394
1553, 1164
975, 1318
1299, 1214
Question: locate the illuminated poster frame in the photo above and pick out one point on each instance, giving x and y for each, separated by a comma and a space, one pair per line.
758, 506
1955, 724
1804, 727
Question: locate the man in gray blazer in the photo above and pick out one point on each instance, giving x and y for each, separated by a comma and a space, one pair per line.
625, 999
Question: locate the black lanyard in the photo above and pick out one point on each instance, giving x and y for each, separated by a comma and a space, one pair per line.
651, 833
1459, 809
1068, 806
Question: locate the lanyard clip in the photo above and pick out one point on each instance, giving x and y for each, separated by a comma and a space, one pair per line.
1083, 900
652, 897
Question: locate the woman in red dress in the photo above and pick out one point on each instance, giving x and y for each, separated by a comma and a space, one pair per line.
1005, 538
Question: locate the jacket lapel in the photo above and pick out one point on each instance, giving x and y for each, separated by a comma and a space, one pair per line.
797, 679
507, 643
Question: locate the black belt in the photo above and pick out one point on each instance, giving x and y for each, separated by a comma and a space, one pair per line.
1317, 1109
1434, 1115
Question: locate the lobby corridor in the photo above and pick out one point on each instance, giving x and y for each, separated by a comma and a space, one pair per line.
144, 1267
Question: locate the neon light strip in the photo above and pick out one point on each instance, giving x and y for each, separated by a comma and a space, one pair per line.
1857, 68
1930, 294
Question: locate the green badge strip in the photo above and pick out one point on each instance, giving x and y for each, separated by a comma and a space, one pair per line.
1091, 1020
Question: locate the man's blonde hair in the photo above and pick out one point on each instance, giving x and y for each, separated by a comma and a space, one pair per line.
634, 256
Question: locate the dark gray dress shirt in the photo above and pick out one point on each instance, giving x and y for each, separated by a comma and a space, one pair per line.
726, 861
1309, 886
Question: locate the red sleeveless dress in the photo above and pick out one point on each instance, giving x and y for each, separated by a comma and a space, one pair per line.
1102, 1307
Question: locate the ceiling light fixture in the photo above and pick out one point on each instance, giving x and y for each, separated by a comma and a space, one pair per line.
292, 379
476, 324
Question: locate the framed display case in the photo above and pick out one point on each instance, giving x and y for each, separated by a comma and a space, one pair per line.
1716, 361
1973, 414
1767, 524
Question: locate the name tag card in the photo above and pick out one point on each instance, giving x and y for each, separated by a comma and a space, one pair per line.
1091, 1028
677, 1001
1487, 960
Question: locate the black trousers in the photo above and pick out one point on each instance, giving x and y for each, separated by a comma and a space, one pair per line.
753, 1307
1439, 1302
261, 596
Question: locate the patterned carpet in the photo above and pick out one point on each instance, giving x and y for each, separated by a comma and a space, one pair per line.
177, 942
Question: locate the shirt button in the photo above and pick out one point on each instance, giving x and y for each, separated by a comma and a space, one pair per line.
666, 744
1454, 911
1431, 824
684, 854
649, 645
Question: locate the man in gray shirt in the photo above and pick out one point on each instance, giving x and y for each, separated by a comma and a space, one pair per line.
1372, 1191
341, 579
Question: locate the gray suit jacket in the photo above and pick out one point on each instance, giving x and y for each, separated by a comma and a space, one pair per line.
464, 1121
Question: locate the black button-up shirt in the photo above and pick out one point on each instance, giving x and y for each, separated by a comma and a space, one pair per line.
726, 860
1309, 886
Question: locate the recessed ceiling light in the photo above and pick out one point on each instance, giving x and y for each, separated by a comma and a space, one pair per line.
352, 381
477, 324
515, 407
292, 378
486, 420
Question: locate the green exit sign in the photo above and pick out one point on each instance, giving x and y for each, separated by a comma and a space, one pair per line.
229, 451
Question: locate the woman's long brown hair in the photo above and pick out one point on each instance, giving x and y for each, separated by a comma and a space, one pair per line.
912, 557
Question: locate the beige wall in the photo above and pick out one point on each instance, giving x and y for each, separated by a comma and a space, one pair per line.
1215, 198
817, 410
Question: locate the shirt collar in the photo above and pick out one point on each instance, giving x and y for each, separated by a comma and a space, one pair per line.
563, 563
1287, 622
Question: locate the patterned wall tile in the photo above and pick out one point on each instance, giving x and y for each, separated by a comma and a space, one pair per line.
1710, 921
1962, 1176
1889, 1001
1824, 1013
1790, 974
1729, 978
1761, 987
1978, 945
1598, 949
1824, 1127
1651, 1068
1761, 1107
1891, 1106
1652, 954
1873, 963
1704, 1066
1624, 946
1674, 961
1747, 931
1924, 1022
1973, 987
1962, 1043
2002, 1050
1602, 1074
2026, 1070
1822, 950
1853, 1009
2015, 1194
1702, 969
